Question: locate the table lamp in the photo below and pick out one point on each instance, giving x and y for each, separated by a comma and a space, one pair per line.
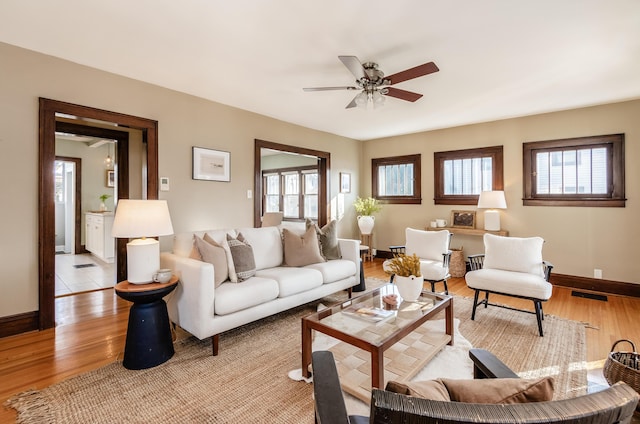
492, 200
140, 219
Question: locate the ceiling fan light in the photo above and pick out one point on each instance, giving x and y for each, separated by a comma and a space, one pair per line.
362, 99
377, 98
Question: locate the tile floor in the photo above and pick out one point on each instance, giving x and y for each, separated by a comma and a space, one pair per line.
81, 273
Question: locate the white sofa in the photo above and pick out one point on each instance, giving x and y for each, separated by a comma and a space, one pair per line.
205, 311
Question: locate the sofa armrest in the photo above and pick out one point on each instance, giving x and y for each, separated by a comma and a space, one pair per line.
327, 393
350, 250
192, 302
487, 365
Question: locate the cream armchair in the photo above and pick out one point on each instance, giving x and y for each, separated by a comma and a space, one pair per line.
511, 266
432, 247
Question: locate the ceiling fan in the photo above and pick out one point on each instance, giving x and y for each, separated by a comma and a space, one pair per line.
374, 85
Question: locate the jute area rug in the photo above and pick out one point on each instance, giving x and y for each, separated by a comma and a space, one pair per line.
248, 381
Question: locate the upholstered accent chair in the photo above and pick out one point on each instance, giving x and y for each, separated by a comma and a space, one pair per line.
511, 266
432, 247
612, 405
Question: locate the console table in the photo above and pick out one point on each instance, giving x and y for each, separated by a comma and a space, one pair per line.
469, 231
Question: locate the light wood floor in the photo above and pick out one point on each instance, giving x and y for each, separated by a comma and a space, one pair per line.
92, 327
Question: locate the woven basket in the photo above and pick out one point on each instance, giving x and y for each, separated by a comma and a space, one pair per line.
457, 266
623, 366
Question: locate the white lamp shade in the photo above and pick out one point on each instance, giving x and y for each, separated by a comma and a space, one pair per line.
492, 200
141, 218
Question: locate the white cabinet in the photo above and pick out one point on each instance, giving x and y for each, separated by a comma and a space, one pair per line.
98, 238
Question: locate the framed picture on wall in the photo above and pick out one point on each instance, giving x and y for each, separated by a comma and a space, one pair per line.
463, 219
345, 182
110, 180
211, 165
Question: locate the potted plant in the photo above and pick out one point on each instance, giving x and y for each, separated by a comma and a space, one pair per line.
103, 198
407, 275
365, 208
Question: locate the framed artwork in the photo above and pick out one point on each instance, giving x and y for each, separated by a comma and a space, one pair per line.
463, 219
110, 178
345, 182
211, 165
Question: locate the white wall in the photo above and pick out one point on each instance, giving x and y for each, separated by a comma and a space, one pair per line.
184, 121
578, 239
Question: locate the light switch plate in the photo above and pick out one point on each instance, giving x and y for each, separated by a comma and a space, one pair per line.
164, 183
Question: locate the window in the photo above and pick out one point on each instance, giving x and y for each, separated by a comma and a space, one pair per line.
396, 179
460, 175
294, 191
584, 171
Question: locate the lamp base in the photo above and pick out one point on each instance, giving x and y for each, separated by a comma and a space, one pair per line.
143, 260
492, 220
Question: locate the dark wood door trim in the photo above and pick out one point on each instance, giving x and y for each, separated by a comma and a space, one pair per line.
46, 210
324, 174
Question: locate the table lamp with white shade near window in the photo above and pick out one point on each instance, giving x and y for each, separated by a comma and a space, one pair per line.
492, 200
139, 219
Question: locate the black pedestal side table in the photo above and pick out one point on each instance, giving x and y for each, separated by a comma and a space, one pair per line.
149, 341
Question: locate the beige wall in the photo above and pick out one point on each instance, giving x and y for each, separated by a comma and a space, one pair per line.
577, 239
184, 121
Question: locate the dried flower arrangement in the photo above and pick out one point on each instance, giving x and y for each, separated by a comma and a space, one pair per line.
404, 266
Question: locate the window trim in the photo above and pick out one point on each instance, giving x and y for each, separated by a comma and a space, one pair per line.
615, 160
415, 160
300, 171
439, 198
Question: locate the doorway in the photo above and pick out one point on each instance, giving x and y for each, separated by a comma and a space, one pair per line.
49, 118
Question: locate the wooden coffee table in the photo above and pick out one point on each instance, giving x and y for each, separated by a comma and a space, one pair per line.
376, 337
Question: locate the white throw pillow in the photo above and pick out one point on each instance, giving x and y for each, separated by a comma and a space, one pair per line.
513, 254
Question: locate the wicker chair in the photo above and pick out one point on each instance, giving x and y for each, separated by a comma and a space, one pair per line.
613, 405
432, 247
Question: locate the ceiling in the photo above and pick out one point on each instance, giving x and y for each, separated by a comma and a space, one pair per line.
497, 58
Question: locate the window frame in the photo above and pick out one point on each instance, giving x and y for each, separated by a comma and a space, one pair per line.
615, 196
497, 183
415, 160
300, 171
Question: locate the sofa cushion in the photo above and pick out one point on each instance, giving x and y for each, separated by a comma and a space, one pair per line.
427, 389
509, 282
301, 250
267, 245
255, 291
335, 270
427, 244
212, 252
292, 280
328, 237
242, 253
513, 254
500, 390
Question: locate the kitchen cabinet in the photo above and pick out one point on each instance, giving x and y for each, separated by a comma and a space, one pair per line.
98, 238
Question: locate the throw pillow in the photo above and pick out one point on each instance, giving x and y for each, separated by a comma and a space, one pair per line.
328, 237
513, 254
243, 260
428, 389
211, 252
223, 242
301, 250
500, 390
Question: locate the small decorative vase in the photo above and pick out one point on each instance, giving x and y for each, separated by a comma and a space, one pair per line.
366, 222
409, 287
103, 207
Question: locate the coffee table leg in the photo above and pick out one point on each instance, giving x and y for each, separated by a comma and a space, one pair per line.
377, 368
449, 320
306, 349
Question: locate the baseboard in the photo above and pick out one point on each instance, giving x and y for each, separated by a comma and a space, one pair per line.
21, 323
596, 285
574, 282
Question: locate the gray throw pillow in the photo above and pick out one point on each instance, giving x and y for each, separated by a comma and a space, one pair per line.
328, 237
243, 260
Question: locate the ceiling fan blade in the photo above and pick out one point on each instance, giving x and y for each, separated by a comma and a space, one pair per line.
418, 71
402, 94
353, 102
330, 88
353, 64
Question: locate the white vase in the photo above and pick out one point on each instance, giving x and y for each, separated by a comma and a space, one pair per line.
366, 222
409, 287
103, 207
